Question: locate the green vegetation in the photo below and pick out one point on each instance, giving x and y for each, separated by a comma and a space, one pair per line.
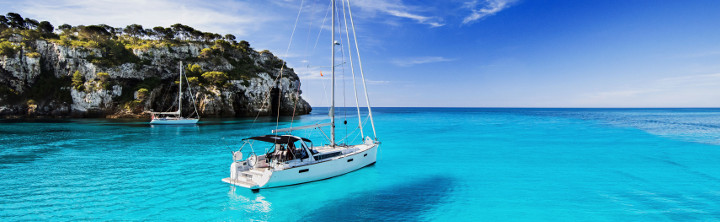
7, 48
104, 79
114, 54
206, 53
107, 47
32, 54
78, 81
114, 43
193, 70
215, 78
103, 76
142, 94
193, 80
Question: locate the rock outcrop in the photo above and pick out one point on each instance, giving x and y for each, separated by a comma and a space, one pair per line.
43, 85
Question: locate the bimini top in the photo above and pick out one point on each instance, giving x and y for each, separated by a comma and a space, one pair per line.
285, 139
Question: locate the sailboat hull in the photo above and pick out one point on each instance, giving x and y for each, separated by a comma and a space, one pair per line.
173, 121
266, 178
323, 170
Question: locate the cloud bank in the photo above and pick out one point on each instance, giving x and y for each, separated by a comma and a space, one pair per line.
405, 62
480, 10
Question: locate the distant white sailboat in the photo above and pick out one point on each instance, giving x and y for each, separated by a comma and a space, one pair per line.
175, 118
293, 160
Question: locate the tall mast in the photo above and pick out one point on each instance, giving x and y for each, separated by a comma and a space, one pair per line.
332, 108
180, 92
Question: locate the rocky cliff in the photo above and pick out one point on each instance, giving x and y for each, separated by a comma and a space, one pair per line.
55, 78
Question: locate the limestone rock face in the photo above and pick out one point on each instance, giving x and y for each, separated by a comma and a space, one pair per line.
43, 85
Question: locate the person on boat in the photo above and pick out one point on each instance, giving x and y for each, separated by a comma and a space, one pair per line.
292, 151
298, 152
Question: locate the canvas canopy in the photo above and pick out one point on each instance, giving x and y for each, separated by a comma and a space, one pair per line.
278, 139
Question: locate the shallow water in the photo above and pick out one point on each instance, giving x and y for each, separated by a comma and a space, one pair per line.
438, 164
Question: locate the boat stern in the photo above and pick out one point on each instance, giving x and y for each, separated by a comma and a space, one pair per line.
243, 175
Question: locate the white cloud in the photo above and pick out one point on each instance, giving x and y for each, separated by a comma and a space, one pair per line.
419, 60
682, 91
311, 73
377, 82
398, 9
487, 8
239, 18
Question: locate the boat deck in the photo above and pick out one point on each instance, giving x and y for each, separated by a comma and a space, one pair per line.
240, 182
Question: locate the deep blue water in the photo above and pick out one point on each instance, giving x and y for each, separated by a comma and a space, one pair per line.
434, 164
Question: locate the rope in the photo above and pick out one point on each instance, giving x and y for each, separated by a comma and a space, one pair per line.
352, 69
192, 97
297, 97
267, 96
297, 18
362, 74
325, 98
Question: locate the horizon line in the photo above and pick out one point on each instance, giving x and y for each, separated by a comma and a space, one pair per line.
534, 107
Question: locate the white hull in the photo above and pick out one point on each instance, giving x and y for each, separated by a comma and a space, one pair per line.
257, 178
173, 121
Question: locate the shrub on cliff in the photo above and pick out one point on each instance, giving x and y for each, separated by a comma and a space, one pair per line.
193, 70
32, 54
114, 54
244, 46
215, 77
104, 79
193, 81
142, 94
206, 53
7, 48
103, 76
78, 80
221, 45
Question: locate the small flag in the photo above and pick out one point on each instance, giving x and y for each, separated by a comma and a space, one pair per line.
321, 73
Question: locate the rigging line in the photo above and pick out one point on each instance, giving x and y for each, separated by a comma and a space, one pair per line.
191, 95
352, 133
317, 39
356, 135
364, 123
325, 98
307, 43
362, 74
297, 18
352, 70
347, 135
264, 103
297, 98
307, 39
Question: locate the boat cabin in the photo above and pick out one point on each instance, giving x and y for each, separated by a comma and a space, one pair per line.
286, 148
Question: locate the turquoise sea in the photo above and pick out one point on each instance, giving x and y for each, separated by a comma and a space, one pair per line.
434, 164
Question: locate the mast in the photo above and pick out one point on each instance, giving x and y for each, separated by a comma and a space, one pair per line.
332, 59
180, 93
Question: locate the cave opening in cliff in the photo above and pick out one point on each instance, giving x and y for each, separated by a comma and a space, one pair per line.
275, 101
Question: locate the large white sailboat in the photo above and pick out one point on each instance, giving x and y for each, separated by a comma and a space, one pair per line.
289, 159
175, 118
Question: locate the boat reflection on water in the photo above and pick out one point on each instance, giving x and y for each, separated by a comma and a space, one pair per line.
174, 129
253, 202
410, 200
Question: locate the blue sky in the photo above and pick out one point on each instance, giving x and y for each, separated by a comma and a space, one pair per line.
465, 53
